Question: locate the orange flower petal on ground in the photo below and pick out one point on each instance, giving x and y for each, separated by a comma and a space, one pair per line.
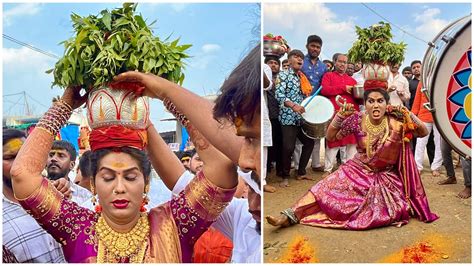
433, 248
299, 251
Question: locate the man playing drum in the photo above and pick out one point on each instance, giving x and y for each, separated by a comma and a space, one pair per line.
290, 95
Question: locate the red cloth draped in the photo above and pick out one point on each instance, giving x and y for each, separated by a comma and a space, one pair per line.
117, 136
374, 84
212, 247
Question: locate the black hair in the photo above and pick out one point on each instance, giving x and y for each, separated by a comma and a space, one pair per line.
314, 38
295, 52
328, 61
139, 156
415, 62
10, 133
271, 57
407, 68
65, 145
240, 93
284, 61
381, 90
178, 154
188, 153
85, 164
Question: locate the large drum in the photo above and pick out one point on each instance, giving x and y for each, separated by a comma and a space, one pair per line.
316, 119
446, 75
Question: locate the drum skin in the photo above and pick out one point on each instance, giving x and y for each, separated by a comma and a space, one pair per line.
447, 75
317, 116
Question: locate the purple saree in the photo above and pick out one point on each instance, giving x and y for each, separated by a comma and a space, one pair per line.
368, 192
174, 226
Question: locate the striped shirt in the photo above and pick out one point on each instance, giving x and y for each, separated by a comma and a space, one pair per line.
25, 238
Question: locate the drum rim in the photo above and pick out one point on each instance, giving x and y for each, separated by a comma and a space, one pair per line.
424, 75
433, 82
307, 135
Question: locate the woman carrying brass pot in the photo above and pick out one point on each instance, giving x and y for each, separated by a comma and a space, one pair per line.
121, 230
380, 186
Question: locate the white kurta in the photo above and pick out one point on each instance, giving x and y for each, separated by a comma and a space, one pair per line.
236, 223
267, 125
402, 92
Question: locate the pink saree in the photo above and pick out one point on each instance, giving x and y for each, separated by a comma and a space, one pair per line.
365, 193
174, 226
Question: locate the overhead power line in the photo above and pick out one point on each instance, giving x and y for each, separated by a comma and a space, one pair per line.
30, 46
396, 26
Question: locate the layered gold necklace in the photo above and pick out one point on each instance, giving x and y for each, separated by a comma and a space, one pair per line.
375, 133
115, 247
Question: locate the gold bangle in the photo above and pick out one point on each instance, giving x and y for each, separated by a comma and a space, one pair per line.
66, 104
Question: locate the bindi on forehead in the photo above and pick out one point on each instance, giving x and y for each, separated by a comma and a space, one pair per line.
13, 145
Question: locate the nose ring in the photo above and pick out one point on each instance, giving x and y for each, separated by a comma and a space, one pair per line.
114, 192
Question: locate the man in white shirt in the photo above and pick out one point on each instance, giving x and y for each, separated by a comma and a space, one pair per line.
358, 76
398, 88
238, 222
22, 235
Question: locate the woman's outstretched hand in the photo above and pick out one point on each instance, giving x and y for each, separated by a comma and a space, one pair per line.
155, 87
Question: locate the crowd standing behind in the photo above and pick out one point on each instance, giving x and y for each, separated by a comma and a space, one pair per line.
338, 77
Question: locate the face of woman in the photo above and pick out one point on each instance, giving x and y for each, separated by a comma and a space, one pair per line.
120, 184
375, 106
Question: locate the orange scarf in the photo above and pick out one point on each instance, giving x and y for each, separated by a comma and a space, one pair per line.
306, 87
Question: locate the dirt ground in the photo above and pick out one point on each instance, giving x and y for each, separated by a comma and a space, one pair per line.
449, 236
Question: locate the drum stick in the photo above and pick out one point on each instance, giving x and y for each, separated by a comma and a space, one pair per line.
312, 96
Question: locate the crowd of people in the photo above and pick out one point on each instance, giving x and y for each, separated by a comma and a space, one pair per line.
105, 215
365, 146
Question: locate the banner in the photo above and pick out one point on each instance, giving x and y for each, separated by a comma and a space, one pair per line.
184, 138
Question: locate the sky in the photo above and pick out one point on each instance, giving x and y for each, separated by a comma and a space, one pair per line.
221, 35
335, 23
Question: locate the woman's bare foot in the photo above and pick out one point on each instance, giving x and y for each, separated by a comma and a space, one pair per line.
284, 183
281, 220
448, 181
465, 194
269, 189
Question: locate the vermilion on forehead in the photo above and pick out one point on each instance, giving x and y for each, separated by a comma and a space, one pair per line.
120, 165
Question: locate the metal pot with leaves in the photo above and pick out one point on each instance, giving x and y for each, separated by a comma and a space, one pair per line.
376, 51
113, 42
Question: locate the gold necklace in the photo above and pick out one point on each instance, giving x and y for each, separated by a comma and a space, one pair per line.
118, 247
374, 132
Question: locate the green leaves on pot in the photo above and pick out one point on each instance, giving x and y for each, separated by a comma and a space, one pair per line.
374, 45
114, 42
